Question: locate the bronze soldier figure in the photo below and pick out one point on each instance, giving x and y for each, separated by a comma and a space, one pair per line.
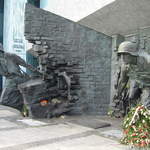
127, 90
10, 68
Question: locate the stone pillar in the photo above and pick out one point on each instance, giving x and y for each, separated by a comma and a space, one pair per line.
1, 31
13, 38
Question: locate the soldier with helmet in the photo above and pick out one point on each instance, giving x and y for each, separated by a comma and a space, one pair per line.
127, 91
11, 70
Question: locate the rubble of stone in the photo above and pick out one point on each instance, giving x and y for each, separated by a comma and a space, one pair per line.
52, 87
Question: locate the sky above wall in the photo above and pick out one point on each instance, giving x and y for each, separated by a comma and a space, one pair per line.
74, 10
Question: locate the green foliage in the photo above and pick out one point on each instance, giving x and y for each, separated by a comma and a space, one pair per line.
110, 112
136, 127
25, 111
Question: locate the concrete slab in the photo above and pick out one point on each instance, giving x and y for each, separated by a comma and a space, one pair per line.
29, 135
112, 18
6, 124
91, 142
2, 107
32, 122
17, 133
7, 113
113, 133
91, 123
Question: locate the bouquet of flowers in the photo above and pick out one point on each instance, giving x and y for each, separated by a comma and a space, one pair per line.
136, 127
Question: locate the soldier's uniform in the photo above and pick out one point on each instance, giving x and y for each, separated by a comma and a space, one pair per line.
126, 88
10, 68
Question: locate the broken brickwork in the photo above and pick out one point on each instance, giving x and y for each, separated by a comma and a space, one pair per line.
83, 53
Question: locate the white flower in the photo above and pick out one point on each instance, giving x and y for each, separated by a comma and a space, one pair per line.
127, 119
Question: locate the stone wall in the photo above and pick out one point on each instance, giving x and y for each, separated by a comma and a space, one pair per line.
67, 40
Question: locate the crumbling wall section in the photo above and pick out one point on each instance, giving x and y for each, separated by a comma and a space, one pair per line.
71, 42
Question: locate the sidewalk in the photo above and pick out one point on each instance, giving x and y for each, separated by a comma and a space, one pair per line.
18, 133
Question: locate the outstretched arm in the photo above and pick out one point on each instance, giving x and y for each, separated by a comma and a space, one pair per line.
19, 61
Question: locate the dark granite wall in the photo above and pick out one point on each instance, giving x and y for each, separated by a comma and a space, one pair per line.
69, 40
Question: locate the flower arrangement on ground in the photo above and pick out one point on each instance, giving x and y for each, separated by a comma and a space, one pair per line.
136, 127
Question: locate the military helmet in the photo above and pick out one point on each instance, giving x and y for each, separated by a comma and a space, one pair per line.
128, 48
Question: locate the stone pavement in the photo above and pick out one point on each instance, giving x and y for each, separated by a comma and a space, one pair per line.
18, 133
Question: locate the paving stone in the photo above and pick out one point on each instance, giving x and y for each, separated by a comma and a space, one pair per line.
91, 142
92, 123
6, 124
7, 113
113, 133
29, 135
32, 122
60, 135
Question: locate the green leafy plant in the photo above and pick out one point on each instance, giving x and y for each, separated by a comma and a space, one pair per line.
110, 112
136, 127
25, 111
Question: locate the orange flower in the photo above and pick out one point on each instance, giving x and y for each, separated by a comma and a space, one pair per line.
44, 102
